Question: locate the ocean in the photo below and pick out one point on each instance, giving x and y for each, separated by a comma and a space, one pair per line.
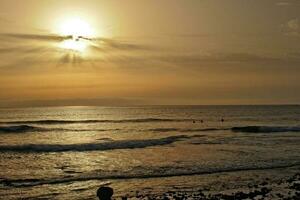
68, 152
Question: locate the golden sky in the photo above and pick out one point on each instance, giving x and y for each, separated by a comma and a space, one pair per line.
112, 52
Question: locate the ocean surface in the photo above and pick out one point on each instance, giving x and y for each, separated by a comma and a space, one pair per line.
68, 152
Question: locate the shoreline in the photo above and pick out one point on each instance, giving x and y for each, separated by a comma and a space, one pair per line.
257, 185
252, 184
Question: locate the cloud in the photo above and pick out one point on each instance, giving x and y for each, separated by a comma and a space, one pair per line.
36, 49
21, 49
293, 24
195, 59
33, 51
191, 35
285, 3
121, 45
21, 36
103, 42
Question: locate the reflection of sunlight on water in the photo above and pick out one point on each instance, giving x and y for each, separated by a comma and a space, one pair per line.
81, 172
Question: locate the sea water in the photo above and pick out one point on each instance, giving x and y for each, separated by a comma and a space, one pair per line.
68, 152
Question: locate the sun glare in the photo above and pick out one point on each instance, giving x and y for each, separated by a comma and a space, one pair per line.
76, 28
74, 45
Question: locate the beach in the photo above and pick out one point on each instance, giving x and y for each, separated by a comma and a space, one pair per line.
257, 184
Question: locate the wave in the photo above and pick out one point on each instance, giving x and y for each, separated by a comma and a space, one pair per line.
53, 122
20, 129
105, 146
27, 128
143, 173
245, 129
185, 130
265, 129
242, 129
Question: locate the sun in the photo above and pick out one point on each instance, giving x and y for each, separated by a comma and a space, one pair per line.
76, 28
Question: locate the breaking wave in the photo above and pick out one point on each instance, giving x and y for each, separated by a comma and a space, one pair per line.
20, 129
53, 122
243, 129
27, 128
105, 146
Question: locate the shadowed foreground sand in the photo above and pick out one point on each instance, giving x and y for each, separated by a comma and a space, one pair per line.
287, 188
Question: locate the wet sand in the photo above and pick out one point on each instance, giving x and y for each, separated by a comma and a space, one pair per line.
259, 185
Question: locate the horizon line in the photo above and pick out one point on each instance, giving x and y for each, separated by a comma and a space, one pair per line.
145, 105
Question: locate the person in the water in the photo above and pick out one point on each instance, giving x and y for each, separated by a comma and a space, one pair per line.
105, 193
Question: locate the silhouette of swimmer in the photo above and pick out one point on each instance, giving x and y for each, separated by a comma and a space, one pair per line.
105, 193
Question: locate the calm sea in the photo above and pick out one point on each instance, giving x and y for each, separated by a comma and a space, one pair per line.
67, 152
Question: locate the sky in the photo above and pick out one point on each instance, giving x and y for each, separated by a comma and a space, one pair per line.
136, 52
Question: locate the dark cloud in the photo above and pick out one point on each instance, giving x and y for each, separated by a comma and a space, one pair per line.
35, 47
105, 42
21, 36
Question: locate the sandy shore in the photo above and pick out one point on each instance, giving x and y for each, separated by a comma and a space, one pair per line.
279, 183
